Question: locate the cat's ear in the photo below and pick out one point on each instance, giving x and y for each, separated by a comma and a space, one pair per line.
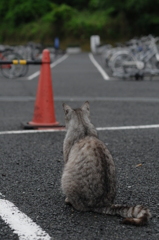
85, 106
67, 109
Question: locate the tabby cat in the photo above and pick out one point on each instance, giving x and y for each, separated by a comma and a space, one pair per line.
89, 179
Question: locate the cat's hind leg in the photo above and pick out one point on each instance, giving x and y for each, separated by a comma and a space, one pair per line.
67, 201
76, 202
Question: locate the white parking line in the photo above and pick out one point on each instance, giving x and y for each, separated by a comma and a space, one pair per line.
20, 223
32, 131
98, 128
51, 65
82, 99
128, 127
59, 60
34, 75
100, 69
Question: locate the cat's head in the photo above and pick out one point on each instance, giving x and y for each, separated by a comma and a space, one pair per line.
76, 117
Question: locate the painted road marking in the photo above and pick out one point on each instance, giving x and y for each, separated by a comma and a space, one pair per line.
32, 131
59, 61
51, 65
128, 127
100, 69
81, 99
20, 223
98, 128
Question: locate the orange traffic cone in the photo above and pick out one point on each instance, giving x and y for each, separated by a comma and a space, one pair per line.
44, 111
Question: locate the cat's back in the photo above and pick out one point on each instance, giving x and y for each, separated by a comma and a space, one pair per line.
89, 156
90, 171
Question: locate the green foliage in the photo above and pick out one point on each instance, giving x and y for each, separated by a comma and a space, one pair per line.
94, 4
39, 20
84, 24
77, 4
59, 13
138, 5
21, 12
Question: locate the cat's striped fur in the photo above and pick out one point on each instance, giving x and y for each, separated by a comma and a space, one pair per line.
88, 179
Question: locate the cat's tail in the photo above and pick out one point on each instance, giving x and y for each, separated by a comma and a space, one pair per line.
137, 215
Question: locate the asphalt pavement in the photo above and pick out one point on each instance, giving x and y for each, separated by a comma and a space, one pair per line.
127, 116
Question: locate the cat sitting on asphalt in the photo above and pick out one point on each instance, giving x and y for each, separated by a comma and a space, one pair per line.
89, 179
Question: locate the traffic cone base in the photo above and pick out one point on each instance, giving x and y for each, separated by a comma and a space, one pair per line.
31, 125
43, 125
57, 128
